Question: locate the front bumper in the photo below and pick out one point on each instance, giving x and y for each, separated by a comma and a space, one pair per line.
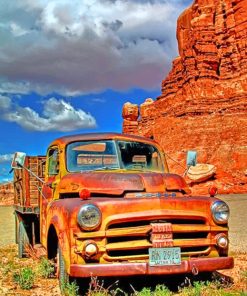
194, 265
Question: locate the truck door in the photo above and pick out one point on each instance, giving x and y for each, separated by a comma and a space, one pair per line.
50, 191
53, 172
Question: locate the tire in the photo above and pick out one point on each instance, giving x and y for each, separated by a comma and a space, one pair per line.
61, 270
23, 240
16, 229
64, 278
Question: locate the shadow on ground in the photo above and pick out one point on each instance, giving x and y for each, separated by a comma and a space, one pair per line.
133, 285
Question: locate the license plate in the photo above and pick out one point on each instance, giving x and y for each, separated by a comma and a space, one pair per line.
164, 256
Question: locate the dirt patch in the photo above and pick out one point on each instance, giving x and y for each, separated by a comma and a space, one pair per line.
7, 225
237, 222
10, 264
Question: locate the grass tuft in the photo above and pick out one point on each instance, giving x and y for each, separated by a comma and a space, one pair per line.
70, 289
24, 278
46, 268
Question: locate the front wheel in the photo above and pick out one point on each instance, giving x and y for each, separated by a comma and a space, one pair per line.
66, 282
62, 274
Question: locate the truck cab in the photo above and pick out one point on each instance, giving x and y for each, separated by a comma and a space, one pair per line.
109, 206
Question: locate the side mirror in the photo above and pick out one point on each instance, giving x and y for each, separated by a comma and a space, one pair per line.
18, 160
191, 158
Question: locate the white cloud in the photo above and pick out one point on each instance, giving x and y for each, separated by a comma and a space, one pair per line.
6, 158
5, 180
17, 30
18, 87
98, 100
5, 103
57, 115
86, 46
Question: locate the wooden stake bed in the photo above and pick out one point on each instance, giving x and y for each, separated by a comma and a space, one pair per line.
26, 187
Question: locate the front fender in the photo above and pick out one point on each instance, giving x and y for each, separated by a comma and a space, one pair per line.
58, 233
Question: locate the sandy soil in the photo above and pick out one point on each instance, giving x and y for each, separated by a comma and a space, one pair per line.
238, 221
7, 225
10, 264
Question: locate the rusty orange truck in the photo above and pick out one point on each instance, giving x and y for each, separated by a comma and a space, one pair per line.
105, 204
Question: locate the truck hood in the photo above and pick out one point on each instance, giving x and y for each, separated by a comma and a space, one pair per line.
112, 183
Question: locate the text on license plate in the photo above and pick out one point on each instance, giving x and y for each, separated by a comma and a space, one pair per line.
164, 256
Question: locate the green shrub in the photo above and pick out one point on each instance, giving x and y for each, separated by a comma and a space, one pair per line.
196, 289
70, 289
160, 290
144, 292
96, 288
207, 289
24, 278
46, 268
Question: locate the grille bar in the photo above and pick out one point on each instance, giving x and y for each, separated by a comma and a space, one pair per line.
144, 221
142, 244
143, 230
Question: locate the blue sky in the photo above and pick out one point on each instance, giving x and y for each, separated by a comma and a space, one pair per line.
69, 66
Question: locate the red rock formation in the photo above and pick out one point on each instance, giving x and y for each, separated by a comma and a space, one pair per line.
130, 114
6, 194
203, 104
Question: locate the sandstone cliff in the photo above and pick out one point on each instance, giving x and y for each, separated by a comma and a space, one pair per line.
6, 194
203, 104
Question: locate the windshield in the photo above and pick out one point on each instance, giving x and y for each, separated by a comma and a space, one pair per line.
91, 155
140, 156
110, 155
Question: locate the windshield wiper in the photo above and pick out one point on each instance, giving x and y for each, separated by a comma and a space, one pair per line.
106, 168
139, 170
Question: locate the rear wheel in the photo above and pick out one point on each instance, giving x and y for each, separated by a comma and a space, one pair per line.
23, 240
16, 229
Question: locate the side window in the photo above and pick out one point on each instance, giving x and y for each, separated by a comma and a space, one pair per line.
53, 162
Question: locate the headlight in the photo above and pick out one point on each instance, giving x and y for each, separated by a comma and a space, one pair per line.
220, 212
89, 217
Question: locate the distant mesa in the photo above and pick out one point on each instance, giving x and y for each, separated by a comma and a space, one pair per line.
203, 100
6, 194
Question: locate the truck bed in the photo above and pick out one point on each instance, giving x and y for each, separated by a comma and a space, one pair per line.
26, 186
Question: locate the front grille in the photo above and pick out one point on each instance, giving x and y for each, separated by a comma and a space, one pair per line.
131, 240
